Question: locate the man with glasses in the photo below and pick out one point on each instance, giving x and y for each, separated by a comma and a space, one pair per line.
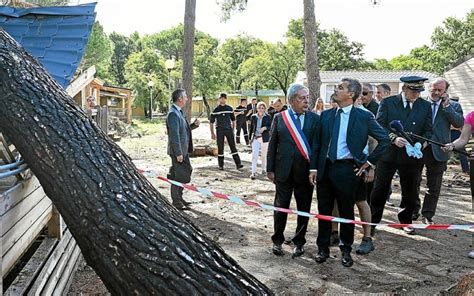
367, 98
444, 113
414, 115
293, 137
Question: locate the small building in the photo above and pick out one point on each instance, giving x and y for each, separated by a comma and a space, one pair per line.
461, 78
329, 79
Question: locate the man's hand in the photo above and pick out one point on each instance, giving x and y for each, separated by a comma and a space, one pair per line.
445, 100
370, 176
179, 158
312, 178
262, 129
400, 142
196, 122
362, 169
213, 136
271, 176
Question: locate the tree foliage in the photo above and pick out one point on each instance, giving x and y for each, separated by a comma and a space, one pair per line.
234, 52
123, 47
141, 68
99, 52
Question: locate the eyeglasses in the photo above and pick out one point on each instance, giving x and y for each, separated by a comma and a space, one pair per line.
364, 93
301, 98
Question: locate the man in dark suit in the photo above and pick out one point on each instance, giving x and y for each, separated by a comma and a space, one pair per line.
340, 162
292, 139
415, 116
367, 98
180, 144
444, 114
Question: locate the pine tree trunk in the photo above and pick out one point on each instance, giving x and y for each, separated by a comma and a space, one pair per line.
311, 52
132, 237
188, 52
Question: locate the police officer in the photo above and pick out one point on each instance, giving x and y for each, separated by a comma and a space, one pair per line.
415, 116
239, 113
224, 117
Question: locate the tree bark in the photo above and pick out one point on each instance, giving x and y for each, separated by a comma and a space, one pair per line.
311, 52
188, 53
208, 108
130, 234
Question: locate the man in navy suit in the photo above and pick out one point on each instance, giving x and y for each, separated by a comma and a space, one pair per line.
180, 144
340, 162
292, 139
415, 116
445, 113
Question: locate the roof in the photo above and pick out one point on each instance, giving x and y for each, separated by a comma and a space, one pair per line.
459, 62
368, 76
56, 36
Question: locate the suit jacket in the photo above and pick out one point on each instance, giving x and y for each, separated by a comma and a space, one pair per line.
283, 155
361, 125
445, 117
373, 107
266, 122
417, 121
180, 140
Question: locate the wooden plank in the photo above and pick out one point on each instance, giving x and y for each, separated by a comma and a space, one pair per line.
50, 265
67, 285
28, 274
21, 227
55, 225
5, 152
15, 214
58, 280
16, 194
11, 257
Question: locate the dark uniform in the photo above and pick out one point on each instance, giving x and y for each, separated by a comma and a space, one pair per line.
273, 111
223, 116
241, 124
416, 118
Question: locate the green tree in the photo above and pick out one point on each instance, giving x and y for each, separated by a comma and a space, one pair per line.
209, 72
234, 52
454, 39
123, 47
141, 68
99, 52
335, 50
382, 64
275, 66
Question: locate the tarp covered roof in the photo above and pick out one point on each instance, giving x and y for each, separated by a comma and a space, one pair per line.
56, 36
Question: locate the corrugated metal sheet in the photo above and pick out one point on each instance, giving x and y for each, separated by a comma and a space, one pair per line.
56, 36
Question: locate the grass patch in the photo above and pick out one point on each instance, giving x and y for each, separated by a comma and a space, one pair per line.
149, 127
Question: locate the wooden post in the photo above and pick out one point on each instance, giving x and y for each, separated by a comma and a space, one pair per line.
55, 224
129, 107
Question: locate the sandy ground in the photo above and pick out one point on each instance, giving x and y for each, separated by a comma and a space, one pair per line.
426, 263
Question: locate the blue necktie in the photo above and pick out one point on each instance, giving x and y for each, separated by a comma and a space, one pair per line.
332, 155
433, 112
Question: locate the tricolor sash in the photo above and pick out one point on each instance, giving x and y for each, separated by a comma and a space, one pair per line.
296, 133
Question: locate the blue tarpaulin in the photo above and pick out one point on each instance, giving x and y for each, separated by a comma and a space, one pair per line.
56, 36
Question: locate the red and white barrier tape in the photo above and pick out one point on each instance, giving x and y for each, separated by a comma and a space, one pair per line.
206, 192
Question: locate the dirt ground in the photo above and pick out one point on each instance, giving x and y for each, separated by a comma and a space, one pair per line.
427, 263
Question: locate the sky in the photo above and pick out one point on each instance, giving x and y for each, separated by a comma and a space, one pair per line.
387, 30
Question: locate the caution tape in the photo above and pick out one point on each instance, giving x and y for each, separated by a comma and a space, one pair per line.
235, 199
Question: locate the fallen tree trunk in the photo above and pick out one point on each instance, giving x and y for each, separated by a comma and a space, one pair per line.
128, 233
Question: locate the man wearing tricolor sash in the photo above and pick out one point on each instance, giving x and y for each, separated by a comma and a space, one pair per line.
292, 144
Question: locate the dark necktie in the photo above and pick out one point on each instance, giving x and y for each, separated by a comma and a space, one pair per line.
433, 111
408, 107
332, 154
298, 122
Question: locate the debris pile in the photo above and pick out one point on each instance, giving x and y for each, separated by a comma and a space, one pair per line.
119, 129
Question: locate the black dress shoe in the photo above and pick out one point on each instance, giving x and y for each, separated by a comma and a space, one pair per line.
321, 257
180, 206
221, 168
346, 259
415, 216
239, 166
277, 250
298, 251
